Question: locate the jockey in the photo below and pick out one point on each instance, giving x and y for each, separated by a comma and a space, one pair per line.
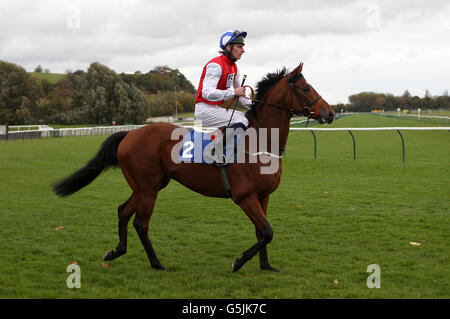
220, 81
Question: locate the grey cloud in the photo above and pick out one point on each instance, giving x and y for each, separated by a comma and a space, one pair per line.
138, 35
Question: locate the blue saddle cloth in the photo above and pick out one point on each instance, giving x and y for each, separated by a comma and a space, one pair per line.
196, 143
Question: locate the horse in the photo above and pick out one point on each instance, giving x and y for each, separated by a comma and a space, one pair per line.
144, 156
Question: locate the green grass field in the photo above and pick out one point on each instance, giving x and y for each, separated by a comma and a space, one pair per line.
427, 112
53, 78
332, 217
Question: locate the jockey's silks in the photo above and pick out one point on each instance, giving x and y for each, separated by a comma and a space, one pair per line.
229, 71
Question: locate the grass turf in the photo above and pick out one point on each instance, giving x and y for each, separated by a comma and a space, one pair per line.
332, 217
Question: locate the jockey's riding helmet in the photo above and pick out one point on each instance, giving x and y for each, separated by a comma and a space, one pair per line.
232, 37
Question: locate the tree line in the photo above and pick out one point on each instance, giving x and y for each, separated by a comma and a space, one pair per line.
101, 96
370, 101
97, 96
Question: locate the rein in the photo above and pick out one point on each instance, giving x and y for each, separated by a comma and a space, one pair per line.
305, 111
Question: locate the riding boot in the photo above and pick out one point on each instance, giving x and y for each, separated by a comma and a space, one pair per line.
215, 153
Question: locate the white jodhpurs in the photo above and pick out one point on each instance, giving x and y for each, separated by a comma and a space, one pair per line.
216, 116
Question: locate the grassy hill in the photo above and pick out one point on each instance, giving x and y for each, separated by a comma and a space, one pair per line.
50, 77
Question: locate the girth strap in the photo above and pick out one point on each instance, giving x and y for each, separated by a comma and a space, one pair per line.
225, 180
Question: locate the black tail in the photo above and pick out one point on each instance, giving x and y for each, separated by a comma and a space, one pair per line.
105, 159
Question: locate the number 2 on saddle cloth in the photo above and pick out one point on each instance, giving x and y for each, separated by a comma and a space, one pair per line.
204, 147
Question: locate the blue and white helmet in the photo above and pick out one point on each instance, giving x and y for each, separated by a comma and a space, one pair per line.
232, 37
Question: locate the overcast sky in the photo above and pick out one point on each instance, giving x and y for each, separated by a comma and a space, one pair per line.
346, 46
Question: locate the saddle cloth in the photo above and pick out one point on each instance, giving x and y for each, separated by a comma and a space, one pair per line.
197, 143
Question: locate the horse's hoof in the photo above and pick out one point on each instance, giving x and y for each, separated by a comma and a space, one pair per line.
109, 255
270, 268
236, 265
113, 254
160, 267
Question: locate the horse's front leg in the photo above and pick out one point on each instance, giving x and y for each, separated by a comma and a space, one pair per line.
253, 209
263, 257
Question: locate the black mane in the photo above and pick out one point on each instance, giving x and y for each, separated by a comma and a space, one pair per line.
268, 81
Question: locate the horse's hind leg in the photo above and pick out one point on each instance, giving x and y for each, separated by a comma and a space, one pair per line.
141, 222
125, 211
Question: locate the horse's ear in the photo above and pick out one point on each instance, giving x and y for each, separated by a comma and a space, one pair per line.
297, 70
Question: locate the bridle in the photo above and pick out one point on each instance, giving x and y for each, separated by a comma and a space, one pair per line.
305, 110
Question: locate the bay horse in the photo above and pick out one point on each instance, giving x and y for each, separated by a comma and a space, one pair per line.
144, 156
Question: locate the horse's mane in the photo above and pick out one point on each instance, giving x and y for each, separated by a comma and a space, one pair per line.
268, 81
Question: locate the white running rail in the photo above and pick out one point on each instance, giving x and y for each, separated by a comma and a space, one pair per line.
404, 128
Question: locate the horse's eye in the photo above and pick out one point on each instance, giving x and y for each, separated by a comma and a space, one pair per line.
305, 88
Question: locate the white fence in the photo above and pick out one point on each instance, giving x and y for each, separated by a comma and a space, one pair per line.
403, 128
431, 119
83, 131
28, 128
25, 131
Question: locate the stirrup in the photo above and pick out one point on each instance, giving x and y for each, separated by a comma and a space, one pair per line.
225, 162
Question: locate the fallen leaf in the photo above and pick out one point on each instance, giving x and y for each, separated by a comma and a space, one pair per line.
303, 278
74, 262
352, 209
336, 281
105, 265
423, 241
414, 243
325, 192
59, 228
298, 206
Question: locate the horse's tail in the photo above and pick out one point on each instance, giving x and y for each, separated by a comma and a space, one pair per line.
105, 159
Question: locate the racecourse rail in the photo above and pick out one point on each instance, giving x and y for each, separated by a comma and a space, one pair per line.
350, 129
46, 131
